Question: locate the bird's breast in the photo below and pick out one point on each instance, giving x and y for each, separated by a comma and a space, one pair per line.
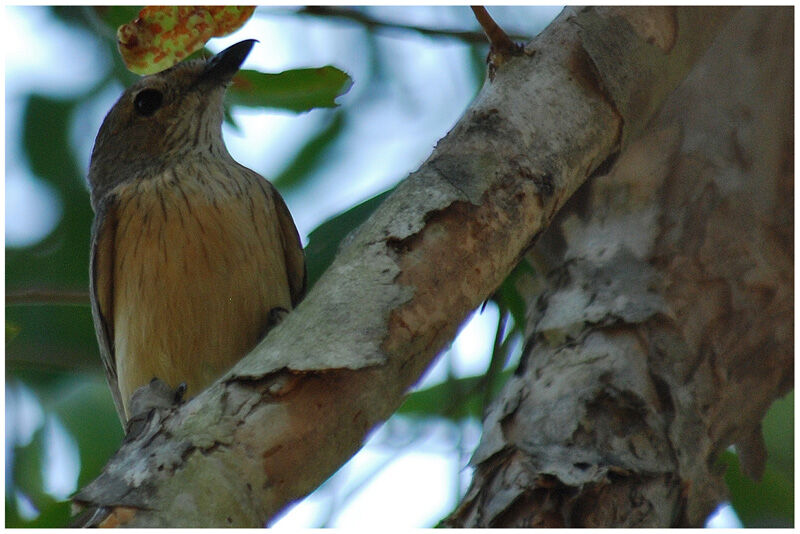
198, 265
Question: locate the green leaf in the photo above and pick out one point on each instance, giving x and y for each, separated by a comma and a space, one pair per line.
27, 478
52, 335
452, 400
27, 473
116, 16
323, 241
455, 399
12, 330
46, 137
778, 428
86, 409
228, 116
54, 342
99, 20
61, 259
13, 519
507, 295
494, 378
769, 502
295, 90
312, 156
83, 405
52, 514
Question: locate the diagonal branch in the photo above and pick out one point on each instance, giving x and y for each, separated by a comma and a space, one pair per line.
288, 415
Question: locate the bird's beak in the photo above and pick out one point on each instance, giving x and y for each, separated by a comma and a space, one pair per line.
225, 65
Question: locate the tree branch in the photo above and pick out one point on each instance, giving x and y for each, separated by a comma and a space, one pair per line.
664, 330
374, 24
288, 415
47, 296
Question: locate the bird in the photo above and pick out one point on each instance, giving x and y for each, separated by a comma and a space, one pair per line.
194, 257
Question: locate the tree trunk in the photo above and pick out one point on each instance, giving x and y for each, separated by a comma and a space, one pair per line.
661, 328
295, 409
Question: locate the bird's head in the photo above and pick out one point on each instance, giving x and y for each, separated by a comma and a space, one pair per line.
172, 114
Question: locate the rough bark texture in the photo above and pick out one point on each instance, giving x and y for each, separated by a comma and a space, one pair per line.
663, 327
299, 406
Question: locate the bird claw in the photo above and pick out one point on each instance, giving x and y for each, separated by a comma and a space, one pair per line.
157, 395
179, 392
275, 316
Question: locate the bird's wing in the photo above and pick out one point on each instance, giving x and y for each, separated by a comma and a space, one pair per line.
101, 288
292, 249
293, 255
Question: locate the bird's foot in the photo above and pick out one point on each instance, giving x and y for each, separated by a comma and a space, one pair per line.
275, 316
149, 398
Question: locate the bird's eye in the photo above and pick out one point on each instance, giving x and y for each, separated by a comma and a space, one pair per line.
148, 101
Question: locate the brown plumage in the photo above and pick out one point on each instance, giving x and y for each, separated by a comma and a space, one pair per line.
191, 251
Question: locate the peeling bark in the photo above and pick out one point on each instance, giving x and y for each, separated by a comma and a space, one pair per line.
663, 327
287, 416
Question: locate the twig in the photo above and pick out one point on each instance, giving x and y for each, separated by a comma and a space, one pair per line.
500, 41
371, 23
47, 296
501, 47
